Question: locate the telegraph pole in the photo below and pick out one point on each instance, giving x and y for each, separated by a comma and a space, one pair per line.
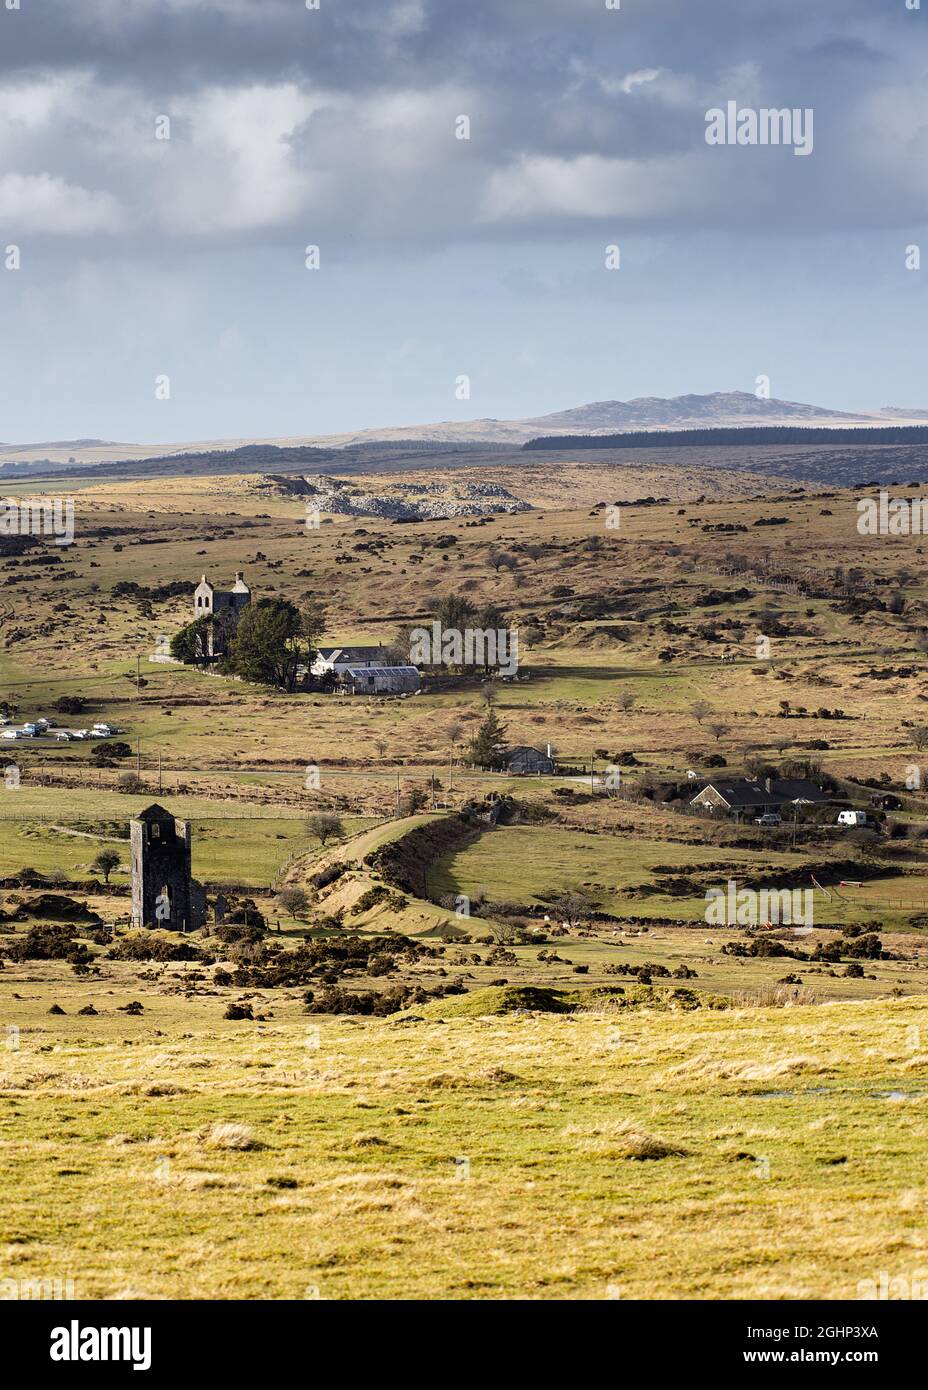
138, 676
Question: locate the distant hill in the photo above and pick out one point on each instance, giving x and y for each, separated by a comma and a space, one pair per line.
717, 410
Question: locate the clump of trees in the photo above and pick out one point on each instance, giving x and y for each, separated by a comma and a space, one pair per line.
270, 641
456, 613
68, 704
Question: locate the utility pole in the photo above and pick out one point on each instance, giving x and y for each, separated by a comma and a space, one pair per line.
159, 771
397, 796
138, 676
592, 780
451, 771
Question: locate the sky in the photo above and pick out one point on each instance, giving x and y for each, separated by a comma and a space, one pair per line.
164, 165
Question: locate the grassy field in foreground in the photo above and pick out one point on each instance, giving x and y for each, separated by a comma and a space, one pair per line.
763, 1153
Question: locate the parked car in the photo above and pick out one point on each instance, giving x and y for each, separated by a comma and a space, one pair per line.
64, 736
10, 733
852, 818
768, 818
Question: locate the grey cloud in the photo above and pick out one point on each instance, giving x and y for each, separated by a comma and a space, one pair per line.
290, 122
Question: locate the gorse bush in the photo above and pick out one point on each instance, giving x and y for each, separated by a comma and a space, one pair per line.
144, 945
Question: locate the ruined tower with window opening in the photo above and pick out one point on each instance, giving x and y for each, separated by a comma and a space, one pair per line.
163, 892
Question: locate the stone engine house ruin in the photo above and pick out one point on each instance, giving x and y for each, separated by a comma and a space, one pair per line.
163, 892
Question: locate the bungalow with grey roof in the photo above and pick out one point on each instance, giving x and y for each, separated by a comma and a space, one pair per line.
759, 798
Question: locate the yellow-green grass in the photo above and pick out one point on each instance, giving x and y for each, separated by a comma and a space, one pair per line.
535, 863
472, 1158
88, 803
715, 973
233, 841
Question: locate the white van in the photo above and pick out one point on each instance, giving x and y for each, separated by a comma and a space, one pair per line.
852, 818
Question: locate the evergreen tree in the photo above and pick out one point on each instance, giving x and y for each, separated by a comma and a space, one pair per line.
191, 643
267, 645
488, 745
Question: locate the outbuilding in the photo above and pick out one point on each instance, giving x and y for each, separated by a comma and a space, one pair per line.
524, 760
379, 680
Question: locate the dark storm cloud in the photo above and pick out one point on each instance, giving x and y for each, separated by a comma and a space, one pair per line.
167, 42
342, 119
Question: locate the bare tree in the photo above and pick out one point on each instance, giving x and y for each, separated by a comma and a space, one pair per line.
106, 861
573, 908
504, 934
700, 710
325, 826
454, 732
293, 900
717, 729
501, 559
864, 841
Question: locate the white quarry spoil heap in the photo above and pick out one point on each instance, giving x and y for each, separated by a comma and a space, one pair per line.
410, 501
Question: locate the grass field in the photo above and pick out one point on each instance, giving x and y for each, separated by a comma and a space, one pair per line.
236, 842
768, 1153
535, 864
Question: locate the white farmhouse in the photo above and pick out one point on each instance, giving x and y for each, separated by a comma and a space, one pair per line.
339, 660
